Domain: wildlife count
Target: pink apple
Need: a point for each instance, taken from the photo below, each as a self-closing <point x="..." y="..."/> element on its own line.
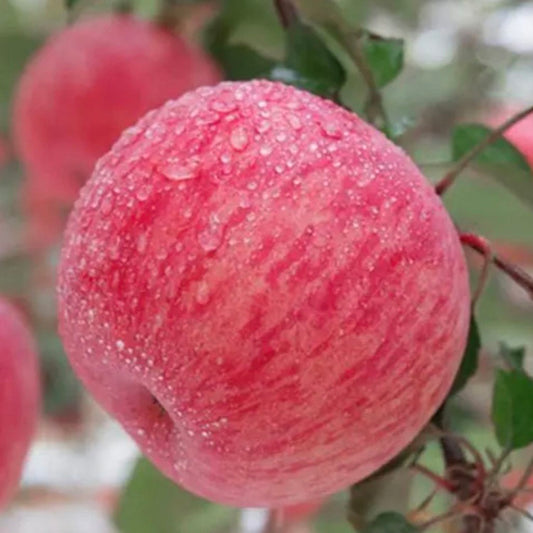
<point x="82" y="89"/>
<point x="19" y="397"/>
<point x="264" y="291"/>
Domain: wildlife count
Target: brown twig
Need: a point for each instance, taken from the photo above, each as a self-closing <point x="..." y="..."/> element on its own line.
<point x="449" y="178"/>
<point x="286" y="12"/>
<point x="482" y="246"/>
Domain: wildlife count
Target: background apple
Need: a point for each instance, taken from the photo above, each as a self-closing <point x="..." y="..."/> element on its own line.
<point x="19" y="397"/>
<point x="80" y="91"/>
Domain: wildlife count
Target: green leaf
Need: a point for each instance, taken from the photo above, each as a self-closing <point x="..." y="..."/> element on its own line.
<point x="384" y="56"/>
<point x="390" y="523"/>
<point x="469" y="362"/>
<point x="500" y="160"/>
<point x="151" y="502"/>
<point x="312" y="65"/>
<point x="501" y="152"/>
<point x="514" y="357"/>
<point x="69" y="4"/>
<point x="512" y="409"/>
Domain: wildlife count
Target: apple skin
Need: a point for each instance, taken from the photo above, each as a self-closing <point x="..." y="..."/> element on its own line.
<point x="81" y="90"/>
<point x="264" y="291"/>
<point x="19" y="397"/>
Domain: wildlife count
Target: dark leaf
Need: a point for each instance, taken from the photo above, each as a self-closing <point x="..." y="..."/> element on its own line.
<point x="390" y="523"/>
<point x="469" y="362"/>
<point x="151" y="502"/>
<point x="514" y="357"/>
<point x="384" y="56"/>
<point x="312" y="65"/>
<point x="69" y="4"/>
<point x="512" y="409"/>
<point x="240" y="62"/>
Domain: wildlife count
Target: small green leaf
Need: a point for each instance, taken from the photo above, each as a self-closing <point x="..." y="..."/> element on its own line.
<point x="514" y="357"/>
<point x="384" y="56"/>
<point x="512" y="409"/>
<point x="390" y="523"/>
<point x="469" y="362"/>
<point x="501" y="152"/>
<point x="314" y="67"/>
<point x="69" y="4"/>
<point x="151" y="502"/>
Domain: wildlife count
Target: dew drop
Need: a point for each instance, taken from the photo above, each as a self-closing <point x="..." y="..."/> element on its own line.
<point x="223" y="105"/>
<point x="263" y="126"/>
<point x="142" y="193"/>
<point x="185" y="170"/>
<point x="265" y="150"/>
<point x="202" y="293"/>
<point x="210" y="238"/>
<point x="142" y="243"/>
<point x="225" y="158"/>
<point x="295" y="122"/>
<point x="107" y="204"/>
<point x="120" y="345"/>
<point x="331" y="130"/>
<point x="239" y="139"/>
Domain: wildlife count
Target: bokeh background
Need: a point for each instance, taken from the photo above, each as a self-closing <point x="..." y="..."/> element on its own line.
<point x="465" y="60"/>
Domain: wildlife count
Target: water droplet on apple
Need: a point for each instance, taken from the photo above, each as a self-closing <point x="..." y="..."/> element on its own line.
<point x="239" y="139"/>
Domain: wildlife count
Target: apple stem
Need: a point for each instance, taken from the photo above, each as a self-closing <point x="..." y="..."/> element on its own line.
<point x="482" y="246"/>
<point x="449" y="178"/>
<point x="286" y="12"/>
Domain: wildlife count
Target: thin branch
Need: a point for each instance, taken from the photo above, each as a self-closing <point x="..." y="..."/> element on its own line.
<point x="483" y="276"/>
<point x="450" y="515"/>
<point x="286" y="12"/>
<point x="374" y="108"/>
<point x="481" y="245"/>
<point x="450" y="177"/>
<point x="528" y="472"/>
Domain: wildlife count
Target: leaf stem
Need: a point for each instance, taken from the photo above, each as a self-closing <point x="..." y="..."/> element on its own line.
<point x="449" y="178"/>
<point x="482" y="246"/>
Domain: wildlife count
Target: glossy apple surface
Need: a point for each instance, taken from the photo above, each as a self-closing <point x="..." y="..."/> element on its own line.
<point x="264" y="291"/>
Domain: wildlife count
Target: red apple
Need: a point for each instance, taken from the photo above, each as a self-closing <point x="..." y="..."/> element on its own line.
<point x="264" y="291"/>
<point x="19" y="397"/>
<point x="82" y="89"/>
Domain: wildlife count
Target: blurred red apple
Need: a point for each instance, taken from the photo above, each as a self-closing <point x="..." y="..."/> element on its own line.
<point x="265" y="292"/>
<point x="81" y="90"/>
<point x="19" y="397"/>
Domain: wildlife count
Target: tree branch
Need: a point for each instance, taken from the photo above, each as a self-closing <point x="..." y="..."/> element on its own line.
<point x="450" y="177"/>
<point x="286" y="12"/>
<point x="481" y="246"/>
